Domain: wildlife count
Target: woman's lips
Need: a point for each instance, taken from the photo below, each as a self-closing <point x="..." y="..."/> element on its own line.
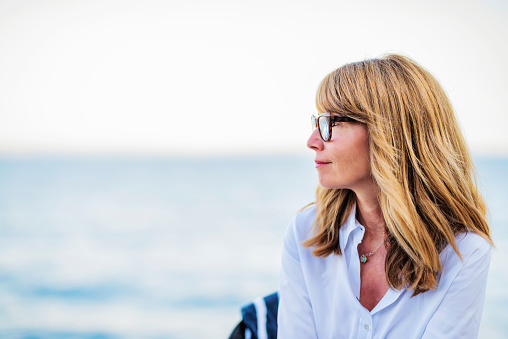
<point x="321" y="163"/>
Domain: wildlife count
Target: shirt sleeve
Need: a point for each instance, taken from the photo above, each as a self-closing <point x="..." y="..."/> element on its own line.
<point x="460" y="312"/>
<point x="295" y="316"/>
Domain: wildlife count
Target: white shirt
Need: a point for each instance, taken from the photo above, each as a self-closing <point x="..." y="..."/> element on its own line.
<point x="319" y="297"/>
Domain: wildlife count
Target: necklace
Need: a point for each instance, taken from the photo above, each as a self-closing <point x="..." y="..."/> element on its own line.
<point x="363" y="257"/>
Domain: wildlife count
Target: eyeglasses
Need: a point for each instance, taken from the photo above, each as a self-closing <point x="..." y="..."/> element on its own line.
<point x="325" y="122"/>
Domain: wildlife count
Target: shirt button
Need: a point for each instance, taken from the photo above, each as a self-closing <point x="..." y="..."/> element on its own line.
<point x="366" y="326"/>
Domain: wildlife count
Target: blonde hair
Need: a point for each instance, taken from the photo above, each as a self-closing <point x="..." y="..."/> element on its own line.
<point x="420" y="165"/>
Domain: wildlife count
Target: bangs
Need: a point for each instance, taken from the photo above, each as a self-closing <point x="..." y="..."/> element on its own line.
<point x="339" y="92"/>
<point x="328" y="99"/>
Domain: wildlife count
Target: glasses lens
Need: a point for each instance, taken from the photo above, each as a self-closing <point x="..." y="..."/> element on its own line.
<point x="324" y="127"/>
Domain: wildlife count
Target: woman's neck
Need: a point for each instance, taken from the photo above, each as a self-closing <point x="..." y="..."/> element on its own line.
<point x="369" y="214"/>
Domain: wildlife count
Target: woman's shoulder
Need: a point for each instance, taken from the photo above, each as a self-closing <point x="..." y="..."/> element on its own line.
<point x="470" y="245"/>
<point x="302" y="222"/>
<point x="305" y="218"/>
<point x="472" y="264"/>
<point x="471" y="242"/>
<point x="306" y="214"/>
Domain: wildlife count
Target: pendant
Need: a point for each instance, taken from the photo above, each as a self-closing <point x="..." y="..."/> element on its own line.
<point x="363" y="258"/>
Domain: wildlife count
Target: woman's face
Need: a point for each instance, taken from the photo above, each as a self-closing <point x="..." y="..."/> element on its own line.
<point x="343" y="162"/>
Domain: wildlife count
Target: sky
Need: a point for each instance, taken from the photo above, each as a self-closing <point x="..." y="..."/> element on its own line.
<point x="228" y="76"/>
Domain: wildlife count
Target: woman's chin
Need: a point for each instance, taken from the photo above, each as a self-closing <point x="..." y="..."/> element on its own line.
<point x="333" y="183"/>
<point x="329" y="185"/>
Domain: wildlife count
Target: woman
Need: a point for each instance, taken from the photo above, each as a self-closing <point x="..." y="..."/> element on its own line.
<point x="397" y="244"/>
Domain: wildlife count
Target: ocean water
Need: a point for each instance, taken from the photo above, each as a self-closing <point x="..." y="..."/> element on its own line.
<point x="166" y="247"/>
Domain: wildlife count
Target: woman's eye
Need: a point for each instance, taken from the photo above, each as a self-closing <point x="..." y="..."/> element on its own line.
<point x="336" y="123"/>
<point x="339" y="120"/>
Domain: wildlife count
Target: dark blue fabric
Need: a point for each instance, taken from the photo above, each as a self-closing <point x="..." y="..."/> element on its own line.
<point x="272" y="306"/>
<point x="250" y="319"/>
<point x="249" y="315"/>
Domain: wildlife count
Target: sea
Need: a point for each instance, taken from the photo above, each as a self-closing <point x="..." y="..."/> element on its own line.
<point x="167" y="247"/>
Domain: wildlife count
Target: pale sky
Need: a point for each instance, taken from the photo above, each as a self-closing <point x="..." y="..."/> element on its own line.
<point x="229" y="76"/>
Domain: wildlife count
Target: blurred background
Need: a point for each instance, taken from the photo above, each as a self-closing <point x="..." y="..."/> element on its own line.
<point x="152" y="152"/>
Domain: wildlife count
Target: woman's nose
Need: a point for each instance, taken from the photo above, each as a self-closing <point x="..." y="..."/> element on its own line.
<point x="315" y="142"/>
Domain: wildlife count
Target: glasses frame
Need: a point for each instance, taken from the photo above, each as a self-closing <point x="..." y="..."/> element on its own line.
<point x="331" y="119"/>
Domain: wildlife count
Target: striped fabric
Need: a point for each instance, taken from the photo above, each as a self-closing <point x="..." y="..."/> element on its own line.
<point x="259" y="319"/>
